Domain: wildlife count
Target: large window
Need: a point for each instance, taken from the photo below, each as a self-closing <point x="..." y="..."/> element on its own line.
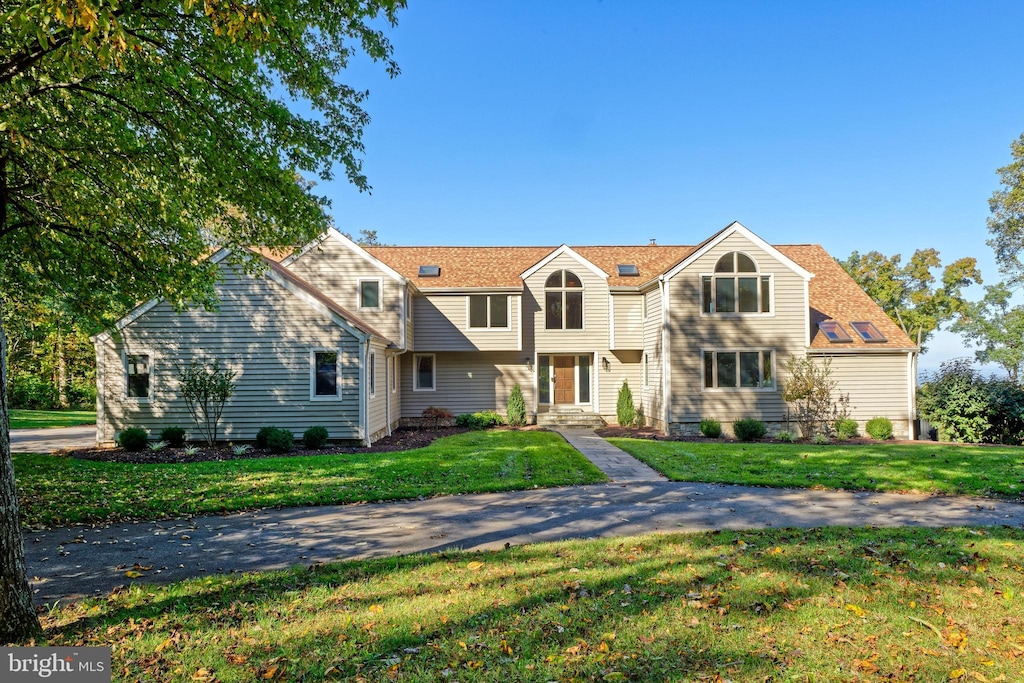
<point x="137" y="371"/>
<point x="563" y="301"/>
<point x="488" y="310"/>
<point x="736" y="287"/>
<point x="739" y="370"/>
<point x="369" y="294"/>
<point x="424" y="373"/>
<point x="324" y="373"/>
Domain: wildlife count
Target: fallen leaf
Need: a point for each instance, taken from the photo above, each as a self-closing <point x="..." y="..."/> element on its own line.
<point x="957" y="673"/>
<point x="473" y="566"/>
<point x="132" y="574"/>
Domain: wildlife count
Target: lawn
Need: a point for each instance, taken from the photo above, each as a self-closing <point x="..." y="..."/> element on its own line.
<point x="925" y="467"/>
<point x="772" y="605"/>
<point x="35" y="419"/>
<point x="56" y="491"/>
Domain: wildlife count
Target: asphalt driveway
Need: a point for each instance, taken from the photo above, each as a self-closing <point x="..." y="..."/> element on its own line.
<point x="52" y="439"/>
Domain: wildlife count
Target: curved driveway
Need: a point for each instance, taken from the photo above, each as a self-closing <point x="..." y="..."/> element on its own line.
<point x="52" y="439"/>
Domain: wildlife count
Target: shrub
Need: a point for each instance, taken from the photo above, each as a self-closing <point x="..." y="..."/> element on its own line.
<point x="624" y="409"/>
<point x="785" y="436"/>
<point x="174" y="436"/>
<point x="315" y="437"/>
<point x="516" y="407"/>
<point x="205" y="391"/>
<point x="641" y="419"/>
<point x="280" y="441"/>
<point x="749" y="429"/>
<point x="846" y="428"/>
<point x="879" y="428"/>
<point x="434" y="417"/>
<point x="29" y="391"/>
<point x="809" y="387"/>
<point x="133" y="439"/>
<point x="712" y="429"/>
<point x="262" y="434"/>
<point x="967" y="407"/>
<point x="479" y="420"/>
<point x="822" y="440"/>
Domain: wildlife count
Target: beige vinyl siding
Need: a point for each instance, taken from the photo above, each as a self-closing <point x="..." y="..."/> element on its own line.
<point x="442" y="324"/>
<point x="622" y="366"/>
<point x="395" y="397"/>
<point x="262" y="332"/>
<point x="377" y="404"/>
<point x="594" y="334"/>
<point x="784" y="330"/>
<point x="653" y="396"/>
<point x="410" y="318"/>
<point x="468" y="382"/>
<point x="336" y="270"/>
<point x="877" y="384"/>
<point x="628" y="321"/>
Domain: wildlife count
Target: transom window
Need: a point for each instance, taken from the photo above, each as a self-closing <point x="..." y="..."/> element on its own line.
<point x="738" y="370"/>
<point x="563" y="301"/>
<point x="736" y="287"/>
<point x="137" y="369"/>
<point x="488" y="310"/>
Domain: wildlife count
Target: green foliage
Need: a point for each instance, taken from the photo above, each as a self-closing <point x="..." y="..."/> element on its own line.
<point x="479" y="420"/>
<point x="846" y="428"/>
<point x="749" y="429"/>
<point x="640" y="420"/>
<point x="516" y="407"/>
<point x="909" y="294"/>
<point x="315" y="437"/>
<point x="965" y="406"/>
<point x="624" y="409"/>
<point x="817" y="405"/>
<point x="786" y="436"/>
<point x="712" y="429"/>
<point x="997" y="328"/>
<point x="821" y="440"/>
<point x="1006" y="224"/>
<point x="280" y="441"/>
<point x="174" y="436"/>
<point x="205" y="392"/>
<point x="262" y="434"/>
<point x="879" y="428"/>
<point x="133" y="439"/>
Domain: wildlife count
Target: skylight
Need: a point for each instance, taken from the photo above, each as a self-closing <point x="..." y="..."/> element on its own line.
<point x="430" y="271"/>
<point x="834" y="332"/>
<point x="867" y="331"/>
<point x="627" y="270"/>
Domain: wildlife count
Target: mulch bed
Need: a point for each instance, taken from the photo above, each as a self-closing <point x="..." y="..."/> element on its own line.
<point x="400" y="440"/>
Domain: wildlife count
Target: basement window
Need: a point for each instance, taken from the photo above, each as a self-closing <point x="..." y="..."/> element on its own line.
<point x="868" y="332"/>
<point x="834" y="332"/>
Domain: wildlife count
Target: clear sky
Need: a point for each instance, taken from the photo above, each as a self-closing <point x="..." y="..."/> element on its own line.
<point x="855" y="125"/>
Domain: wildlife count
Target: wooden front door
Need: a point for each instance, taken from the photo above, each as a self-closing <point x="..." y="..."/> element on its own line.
<point x="565" y="379"/>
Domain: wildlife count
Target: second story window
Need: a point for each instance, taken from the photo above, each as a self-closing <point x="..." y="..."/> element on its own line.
<point x="488" y="310"/>
<point x="736" y="287"/>
<point x="369" y="294"/>
<point x="563" y="301"/>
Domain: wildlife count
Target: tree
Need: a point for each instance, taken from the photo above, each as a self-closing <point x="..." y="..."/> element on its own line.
<point x="206" y="391"/>
<point x="998" y="328"/>
<point x="625" y="411"/>
<point x="909" y="294"/>
<point x="809" y="387"/>
<point x="136" y="136"/>
<point x="516" y="412"/>
<point x="1006" y="224"/>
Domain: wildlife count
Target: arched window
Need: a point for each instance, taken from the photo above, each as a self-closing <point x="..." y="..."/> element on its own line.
<point x="736" y="287"/>
<point x="563" y="301"/>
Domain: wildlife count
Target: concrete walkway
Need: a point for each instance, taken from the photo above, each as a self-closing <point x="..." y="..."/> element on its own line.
<point x="619" y="465"/>
<point x="52" y="439"/>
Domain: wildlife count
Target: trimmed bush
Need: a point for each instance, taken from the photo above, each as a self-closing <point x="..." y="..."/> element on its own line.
<point x="879" y="428"/>
<point x="749" y="429"/>
<point x="712" y="429"/>
<point x="516" y="407"/>
<point x="174" y="436"/>
<point x="262" y="434"/>
<point x="315" y="437"/>
<point x="280" y="441"/>
<point x="641" y="419"/>
<point x="625" y="411"/>
<point x="846" y="428"/>
<point x="133" y="439"/>
<point x="479" y="420"/>
<point x="435" y="417"/>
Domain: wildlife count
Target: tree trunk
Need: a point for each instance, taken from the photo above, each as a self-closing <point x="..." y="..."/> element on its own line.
<point x="18" y="621"/>
<point x="62" y="371"/>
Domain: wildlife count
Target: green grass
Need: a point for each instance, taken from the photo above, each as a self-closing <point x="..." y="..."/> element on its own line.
<point x="927" y="468"/>
<point x="59" y="491"/>
<point x="804" y="605"/>
<point x="35" y="419"/>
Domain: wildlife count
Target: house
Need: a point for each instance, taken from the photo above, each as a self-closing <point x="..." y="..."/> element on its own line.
<point x="361" y="339"/>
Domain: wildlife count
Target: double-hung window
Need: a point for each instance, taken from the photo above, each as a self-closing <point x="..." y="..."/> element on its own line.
<point x="137" y="372"/>
<point x="739" y="369"/>
<point x="736" y="287"/>
<point x="488" y="311"/>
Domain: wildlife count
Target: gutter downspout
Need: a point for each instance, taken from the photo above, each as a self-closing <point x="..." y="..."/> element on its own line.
<point x="364" y="393"/>
<point x="666" y="356"/>
<point x="912" y="393"/>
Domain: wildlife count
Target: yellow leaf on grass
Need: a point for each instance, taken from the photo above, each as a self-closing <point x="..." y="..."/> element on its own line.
<point x="164" y="645"/>
<point x="957" y="673"/>
<point x="202" y="675"/>
<point x="473" y="566"/>
<point x="270" y="673"/>
<point x="859" y="611"/>
<point x="603" y="647"/>
<point x="376" y="608"/>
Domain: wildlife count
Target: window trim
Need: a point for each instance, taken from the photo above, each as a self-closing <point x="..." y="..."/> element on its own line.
<point x="124" y="368"/>
<point x="563" y="290"/>
<point x="380" y="294"/>
<point x="371" y="374"/>
<point x="313" y="396"/>
<point x="416" y="371"/>
<point x="489" y="327"/>
<point x="716" y="350"/>
<point x="735" y="276"/>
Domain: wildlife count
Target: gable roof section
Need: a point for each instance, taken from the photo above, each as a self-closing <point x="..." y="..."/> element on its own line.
<point x="335" y="234"/>
<point x="836" y="296"/>
<point x="732" y="229"/>
<point x="568" y="251"/>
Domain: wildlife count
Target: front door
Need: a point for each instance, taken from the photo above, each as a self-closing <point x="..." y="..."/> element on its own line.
<point x="565" y="379"/>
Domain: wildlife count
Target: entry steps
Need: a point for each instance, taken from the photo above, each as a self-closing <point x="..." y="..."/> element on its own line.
<point x="569" y="418"/>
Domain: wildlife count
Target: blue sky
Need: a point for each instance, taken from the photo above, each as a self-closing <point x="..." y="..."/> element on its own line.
<point x="858" y="126"/>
